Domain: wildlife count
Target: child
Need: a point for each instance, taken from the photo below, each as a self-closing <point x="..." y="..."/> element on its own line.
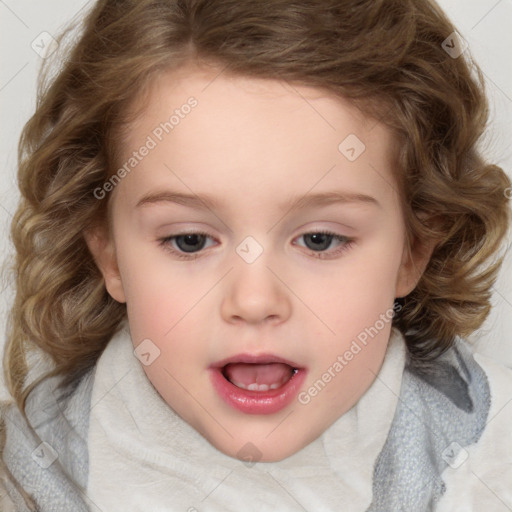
<point x="251" y="240"/>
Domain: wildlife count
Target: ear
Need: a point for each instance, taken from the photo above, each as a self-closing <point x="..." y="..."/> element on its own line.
<point x="102" y="248"/>
<point x="414" y="262"/>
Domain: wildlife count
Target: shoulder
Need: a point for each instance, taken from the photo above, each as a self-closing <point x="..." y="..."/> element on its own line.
<point x="500" y="383"/>
<point x="482" y="473"/>
<point x="47" y="451"/>
<point x="446" y="411"/>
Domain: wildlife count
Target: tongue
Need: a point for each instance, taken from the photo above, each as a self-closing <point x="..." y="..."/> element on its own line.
<point x="245" y="373"/>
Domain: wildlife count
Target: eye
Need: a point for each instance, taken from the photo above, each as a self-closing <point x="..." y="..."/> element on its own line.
<point x="186" y="243"/>
<point x="323" y="244"/>
<point x="320" y="241"/>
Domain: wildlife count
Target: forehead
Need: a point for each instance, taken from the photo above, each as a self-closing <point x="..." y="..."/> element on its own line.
<point x="244" y="133"/>
<point x="215" y="89"/>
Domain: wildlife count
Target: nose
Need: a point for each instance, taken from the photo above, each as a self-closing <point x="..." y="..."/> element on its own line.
<point x="255" y="295"/>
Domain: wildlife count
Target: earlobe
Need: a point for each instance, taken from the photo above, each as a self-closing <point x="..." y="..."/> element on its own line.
<point x="102" y="249"/>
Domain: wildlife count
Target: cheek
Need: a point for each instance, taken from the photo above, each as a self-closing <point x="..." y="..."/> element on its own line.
<point x="361" y="288"/>
<point x="357" y="306"/>
<point x="166" y="305"/>
<point x="356" y="303"/>
<point x="158" y="293"/>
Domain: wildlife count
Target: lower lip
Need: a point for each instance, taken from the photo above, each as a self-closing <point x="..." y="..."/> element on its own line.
<point x="257" y="402"/>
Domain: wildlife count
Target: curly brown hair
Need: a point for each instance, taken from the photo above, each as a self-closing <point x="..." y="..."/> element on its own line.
<point x="386" y="56"/>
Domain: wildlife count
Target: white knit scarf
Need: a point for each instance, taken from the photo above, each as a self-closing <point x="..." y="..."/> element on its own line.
<point x="144" y="457"/>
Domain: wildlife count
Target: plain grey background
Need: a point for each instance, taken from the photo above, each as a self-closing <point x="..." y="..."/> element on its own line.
<point x="24" y="29"/>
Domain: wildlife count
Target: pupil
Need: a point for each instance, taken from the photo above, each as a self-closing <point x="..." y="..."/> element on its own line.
<point x="318" y="241"/>
<point x="190" y="243"/>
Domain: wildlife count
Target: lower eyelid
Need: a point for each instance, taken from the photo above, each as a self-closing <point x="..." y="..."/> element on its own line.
<point x="346" y="243"/>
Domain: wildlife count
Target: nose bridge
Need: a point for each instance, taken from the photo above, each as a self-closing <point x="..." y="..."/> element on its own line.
<point x="254" y="294"/>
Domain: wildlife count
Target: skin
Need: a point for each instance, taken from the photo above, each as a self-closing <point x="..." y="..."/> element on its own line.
<point x="254" y="145"/>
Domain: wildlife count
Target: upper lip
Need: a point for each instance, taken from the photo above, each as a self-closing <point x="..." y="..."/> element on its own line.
<point x="254" y="359"/>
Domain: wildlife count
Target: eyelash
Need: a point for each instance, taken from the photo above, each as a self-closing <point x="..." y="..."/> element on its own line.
<point x="166" y="244"/>
<point x="347" y="244"/>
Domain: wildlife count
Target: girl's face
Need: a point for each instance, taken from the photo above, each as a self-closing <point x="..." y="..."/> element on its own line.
<point x="258" y="242"/>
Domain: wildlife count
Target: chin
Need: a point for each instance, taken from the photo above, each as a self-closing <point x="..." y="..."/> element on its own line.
<point x="257" y="451"/>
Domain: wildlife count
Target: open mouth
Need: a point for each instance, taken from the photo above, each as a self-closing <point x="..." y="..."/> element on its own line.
<point x="258" y="376"/>
<point x="262" y="384"/>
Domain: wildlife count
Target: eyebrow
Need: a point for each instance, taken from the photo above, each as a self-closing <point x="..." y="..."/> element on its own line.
<point x="209" y="203"/>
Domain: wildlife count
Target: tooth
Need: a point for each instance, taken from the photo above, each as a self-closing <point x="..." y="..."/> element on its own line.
<point x="258" y="387"/>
